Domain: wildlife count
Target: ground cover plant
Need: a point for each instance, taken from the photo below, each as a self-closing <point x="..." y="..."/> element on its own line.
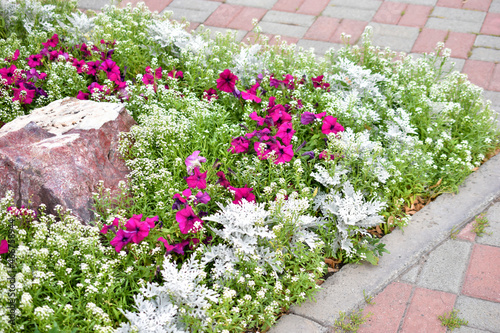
<point x="250" y="164"/>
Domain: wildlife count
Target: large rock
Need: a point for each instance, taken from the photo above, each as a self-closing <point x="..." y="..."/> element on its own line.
<point x="59" y="153"/>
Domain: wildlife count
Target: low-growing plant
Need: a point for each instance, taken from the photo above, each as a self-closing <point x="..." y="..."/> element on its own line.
<point x="350" y="323"/>
<point x="451" y="320"/>
<point x="480" y="223"/>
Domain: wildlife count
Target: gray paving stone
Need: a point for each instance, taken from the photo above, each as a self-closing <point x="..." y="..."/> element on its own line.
<point x="398" y="38"/>
<point x="493" y="96"/>
<point x="454" y="64"/>
<point x="487" y="41"/>
<point x="350" y="13"/>
<point x="493" y="216"/>
<point x="366" y="4"/>
<point x="292" y="323"/>
<point x="446" y="266"/>
<point x="495" y="6"/>
<point x="458" y="20"/>
<point x="319" y="47"/>
<point x="480" y="314"/>
<point x="417" y="2"/>
<point x="466" y="329"/>
<point x="275" y="16"/>
<point x="195" y="5"/>
<point x="283" y="29"/>
<point x="93" y="4"/>
<point x="191" y="15"/>
<point x="411" y="275"/>
<point x="484" y="54"/>
<point x="239" y="34"/>
<point x="268" y="4"/>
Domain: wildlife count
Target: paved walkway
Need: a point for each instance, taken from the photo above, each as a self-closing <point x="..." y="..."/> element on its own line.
<point x="427" y="272"/>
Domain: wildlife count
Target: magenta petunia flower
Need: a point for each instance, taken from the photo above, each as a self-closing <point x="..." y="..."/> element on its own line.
<point x="23" y="95"/>
<point x="188" y="220"/>
<point x="78" y="64"/>
<point x="197" y="179"/>
<point x="4" y="246"/>
<point x="279" y="115"/>
<point x="148" y="79"/>
<point x="330" y="125"/>
<point x="13" y="57"/>
<point x="8" y="74"/>
<point x="239" y="145"/>
<point x="121" y="239"/>
<point x="263" y="149"/>
<point x="35" y="60"/>
<point x="222" y="179"/>
<point x="210" y="93"/>
<point x="317" y="81"/>
<point x="226" y="81"/>
<point x="242" y="193"/>
<point x="175" y="74"/>
<point x="177" y="248"/>
<point x="82" y="96"/>
<point x="112" y="226"/>
<point x="111" y="68"/>
<point x="193" y="161"/>
<point x="285" y="133"/>
<point x="52" y="41"/>
<point x="262" y="135"/>
<point x="284" y="153"/>
<point x="255" y="117"/>
<point x="308" y="117"/>
<point x="251" y="94"/>
<point x="139" y="228"/>
<point x="93" y="67"/>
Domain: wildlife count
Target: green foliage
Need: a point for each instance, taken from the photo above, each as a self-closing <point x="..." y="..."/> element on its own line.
<point x="480" y="223"/>
<point x="451" y="320"/>
<point x="350" y="323"/>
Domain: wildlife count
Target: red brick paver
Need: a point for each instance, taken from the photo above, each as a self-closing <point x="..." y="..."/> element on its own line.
<point x="243" y="20"/>
<point x="466" y="233"/>
<point x="479" y="72"/>
<point x="482" y="5"/>
<point x="223" y="15"/>
<point x="460" y="44"/>
<point x="313" y="7"/>
<point x="153" y="5"/>
<point x="288" y="5"/>
<point x="415" y="16"/>
<point x="426" y="305"/>
<point x="491" y="24"/>
<point x="388" y="309"/>
<point x="323" y="28"/>
<point x="427" y="40"/>
<point x="495" y="80"/>
<point x="389" y="12"/>
<point x="350" y="27"/>
<point x="482" y="279"/>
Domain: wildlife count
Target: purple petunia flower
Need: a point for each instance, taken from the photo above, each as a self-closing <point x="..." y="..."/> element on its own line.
<point x="111" y="68"/>
<point x="308" y="117"/>
<point x="121" y="239"/>
<point x="202" y="197"/>
<point x="239" y="145"/>
<point x="188" y="220"/>
<point x="177" y="248"/>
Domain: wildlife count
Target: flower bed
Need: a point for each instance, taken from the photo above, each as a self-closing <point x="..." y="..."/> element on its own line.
<point x="250" y="165"/>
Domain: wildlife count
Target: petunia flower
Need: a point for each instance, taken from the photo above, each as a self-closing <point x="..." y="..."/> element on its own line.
<point x="112" y="226"/>
<point x="139" y="228"/>
<point x="285" y="133"/>
<point x="257" y="118"/>
<point x="210" y="93"/>
<point x="188" y="220"/>
<point x="308" y="117"/>
<point x="242" y="193"/>
<point x="52" y="41"/>
<point x="284" y="153"/>
<point x="226" y="81"/>
<point x="262" y="135"/>
<point x="78" y="64"/>
<point x="82" y="96"/>
<point x="8" y="74"/>
<point x="263" y="149"/>
<point x="222" y="179"/>
<point x="23" y="94"/>
<point x="13" y="57"/>
<point x="325" y="155"/>
<point x="93" y="67"/>
<point x="111" y="68"/>
<point x="239" y="145"/>
<point x="121" y="239"/>
<point x="330" y="125"/>
<point x="251" y="94"/>
<point x="175" y="74"/>
<point x="4" y="246"/>
<point x="35" y="60"/>
<point x="202" y="197"/>
<point x="197" y="179"/>
<point x="193" y="161"/>
<point x="177" y="248"/>
<point x="279" y="115"/>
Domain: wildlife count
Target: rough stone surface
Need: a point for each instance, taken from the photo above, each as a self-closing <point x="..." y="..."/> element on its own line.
<point x="59" y="153"/>
<point x="480" y="314"/>
<point x="295" y="323"/>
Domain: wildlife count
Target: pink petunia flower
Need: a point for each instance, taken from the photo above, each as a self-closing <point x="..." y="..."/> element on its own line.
<point x="23" y="95"/>
<point x="4" y="246"/>
<point x="210" y="93"/>
<point x="175" y="74"/>
<point x="254" y="116"/>
<point x="197" y="179"/>
<point x="188" y="220"/>
<point x="78" y="64"/>
<point x="82" y="96"/>
<point x="330" y="125"/>
<point x="121" y="239"/>
<point x="13" y="57"/>
<point x="251" y="94"/>
<point x="263" y="134"/>
<point x="8" y="74"/>
<point x="239" y="145"/>
<point x="115" y="223"/>
<point x="139" y="228"/>
<point x="222" y="179"/>
<point x="93" y="67"/>
<point x="35" y="60"/>
<point x="263" y="149"/>
<point x="242" y="193"/>
<point x="193" y="161"/>
<point x="227" y="81"/>
<point x="285" y="133"/>
<point x="308" y="117"/>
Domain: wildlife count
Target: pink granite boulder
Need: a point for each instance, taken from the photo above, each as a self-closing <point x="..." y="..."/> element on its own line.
<point x="59" y="153"/>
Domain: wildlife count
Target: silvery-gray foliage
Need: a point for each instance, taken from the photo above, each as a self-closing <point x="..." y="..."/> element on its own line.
<point x="30" y="13"/>
<point x="248" y="64"/>
<point x="171" y="33"/>
<point x="79" y="25"/>
<point x="182" y="294"/>
<point x="351" y="213"/>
